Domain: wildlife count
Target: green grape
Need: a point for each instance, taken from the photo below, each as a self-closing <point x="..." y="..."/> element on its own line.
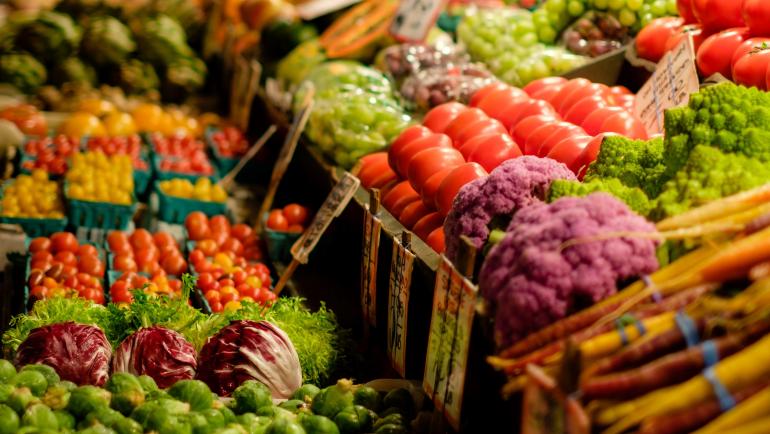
<point x="540" y="18"/>
<point x="524" y="28"/>
<point x="601" y="4"/>
<point x="576" y="8"/>
<point x="547" y="35"/>
<point x="555" y="5"/>
<point x="539" y="69"/>
<point x="671" y="8"/>
<point x="646" y="17"/>
<point x="627" y="17"/>
<point x="528" y="40"/>
<point x="616" y="5"/>
<point x="658" y="8"/>
<point x="634" y="5"/>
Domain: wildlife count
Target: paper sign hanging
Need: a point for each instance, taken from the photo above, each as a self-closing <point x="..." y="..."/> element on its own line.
<point x="401" y="264"/>
<point x="674" y="79"/>
<point x="434" y="355"/>
<point x="370" y="252"/>
<point x="459" y="354"/>
<point x="414" y="19"/>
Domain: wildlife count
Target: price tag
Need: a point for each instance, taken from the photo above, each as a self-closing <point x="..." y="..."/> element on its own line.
<point x="313" y="9"/>
<point x="459" y="354"/>
<point x="674" y="79"/>
<point x="402" y="261"/>
<point x="370" y="253"/>
<point x="548" y="410"/>
<point x="434" y="354"/>
<point x="415" y="18"/>
<point x="335" y="202"/>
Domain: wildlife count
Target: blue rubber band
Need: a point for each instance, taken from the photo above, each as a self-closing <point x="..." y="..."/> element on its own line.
<point x="640" y="327"/>
<point x="621" y="331"/>
<point x="627" y="320"/>
<point x="710" y="353"/>
<point x="657" y="297"/>
<point x="726" y="400"/>
<point x="688" y="328"/>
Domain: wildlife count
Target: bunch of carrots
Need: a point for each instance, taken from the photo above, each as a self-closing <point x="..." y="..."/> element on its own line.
<point x="639" y="369"/>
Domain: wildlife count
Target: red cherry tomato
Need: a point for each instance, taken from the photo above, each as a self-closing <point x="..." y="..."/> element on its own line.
<point x="430" y="161"/>
<point x="197" y="225"/>
<point x="651" y="40"/>
<point x="439" y="117"/>
<point x="408" y="152"/>
<point x="220" y="223"/>
<point x="87" y="250"/>
<point x="494" y="151"/>
<point x="39" y="244"/>
<point x="526" y="126"/>
<point x="141" y="239"/>
<point x="277" y="221"/>
<point x="124" y="263"/>
<point x="241" y="231"/>
<point x="232" y="244"/>
<point x="91" y="265"/>
<point x="454" y="181"/>
<point x="206" y="282"/>
<point x="163" y="239"/>
<point x="296" y="214"/>
<point x="64" y="242"/>
<point x="174" y="265"/>
<point x="543" y="83"/>
<point x="569" y="150"/>
<point x="209" y="247"/>
<point x="66" y="258"/>
<point x="716" y="15"/>
<point x="716" y="52"/>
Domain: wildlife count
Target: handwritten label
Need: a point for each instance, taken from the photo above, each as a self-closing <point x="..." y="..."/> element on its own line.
<point x="335" y="202"/>
<point x="401" y="264"/>
<point x="434" y="355"/>
<point x="313" y="9"/>
<point x="370" y="253"/>
<point x="674" y="79"/>
<point x="548" y="410"/>
<point x="459" y="355"/>
<point x="414" y="19"/>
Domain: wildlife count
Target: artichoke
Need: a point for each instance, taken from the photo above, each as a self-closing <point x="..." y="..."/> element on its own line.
<point x="184" y="76"/>
<point x="107" y="41"/>
<point x="137" y="77"/>
<point x="52" y="36"/>
<point x="162" y="41"/>
<point x="73" y="70"/>
<point x="22" y="71"/>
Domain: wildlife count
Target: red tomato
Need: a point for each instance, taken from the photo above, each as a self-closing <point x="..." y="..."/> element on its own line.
<point x="685" y="11"/>
<point x="568" y="88"/>
<point x="716" y="52"/>
<point x="429" y="161"/>
<point x="124" y="263"/>
<point x="543" y="83"/>
<point x="589" y="154"/>
<point x="206" y="282"/>
<point x="412" y="213"/>
<point x="751" y="69"/>
<point x="239" y="276"/>
<point x="212" y="296"/>
<point x="580" y="110"/>
<point x="174" y="265"/>
<point x="383" y="179"/>
<point x="66" y="258"/>
<point x="430" y="188"/>
<point x="64" y="242"/>
<point x="454" y="181"/>
<point x="463" y="121"/>
<point x="756" y="14"/>
<point x="163" y="239"/>
<point x="276" y="221"/>
<point x="232" y="244"/>
<point x="526" y="108"/>
<point x="219" y="223"/>
<point x="480" y="94"/>
<point x="296" y="214"/>
<point x="39" y="244"/>
<point x="569" y="150"/>
<point x="428" y="224"/>
<point x="141" y="239"/>
<point x="698" y="36"/>
<point x="209" y="247"/>
<point x="746" y="47"/>
<point x="485" y="126"/>
<point x="595" y="89"/>
<point x="496" y="104"/>
<point x="406" y="137"/>
<point x="91" y="265"/>
<point x="197" y="225"/>
<point x="494" y="151"/>
<point x="593" y="123"/>
<point x="439" y="117"/>
<point x="651" y="40"/>
<point x="408" y="152"/>
<point x="401" y="203"/>
<point x="625" y="124"/>
<point x="436" y="240"/>
<point x="87" y="250"/>
<point x="716" y="15"/>
<point x="557" y="136"/>
<point x="373" y="168"/>
<point x="548" y="93"/>
<point x="401" y="190"/>
<point x="241" y="231"/>
<point x="526" y="126"/>
<point x="27" y="118"/>
<point x="120" y="293"/>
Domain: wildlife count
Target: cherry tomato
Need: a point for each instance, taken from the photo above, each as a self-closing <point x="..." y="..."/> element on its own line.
<point x="206" y="282"/>
<point x="651" y="40"/>
<point x="124" y="263"/>
<point x="430" y="161"/>
<point x="220" y="223"/>
<point x="228" y="294"/>
<point x="66" y="258"/>
<point x="296" y="214"/>
<point x="716" y="15"/>
<point x="494" y="151"/>
<point x="212" y="296"/>
<point x="454" y="181"/>
<point x="216" y="307"/>
<point x="295" y="229"/>
<point x="39" y="292"/>
<point x="120" y="292"/>
<point x="756" y="14"/>
<point x="197" y="257"/>
<point x="439" y="117"/>
<point x="163" y="239"/>
<point x="141" y="239"/>
<point x="716" y="52"/>
<point x="207" y="247"/>
<point x="64" y="242"/>
<point x="91" y="265"/>
<point x="277" y="221"/>
<point x="197" y="225"/>
<point x="87" y="250"/>
<point x="174" y="265"/>
<point x="232" y="245"/>
<point x="39" y="244"/>
<point x="404" y="157"/>
<point x="751" y="69"/>
<point x="241" y="231"/>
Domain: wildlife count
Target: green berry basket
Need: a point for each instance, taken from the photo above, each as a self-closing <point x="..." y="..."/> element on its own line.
<point x="165" y="175"/>
<point x="172" y="209"/>
<point x="33" y="227"/>
<point x="279" y="243"/>
<point x="101" y="215"/>
<point x="223" y="164"/>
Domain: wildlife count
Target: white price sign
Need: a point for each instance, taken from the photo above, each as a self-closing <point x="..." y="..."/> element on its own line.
<point x="414" y="19"/>
<point x="369" y="255"/>
<point x="401" y="265"/>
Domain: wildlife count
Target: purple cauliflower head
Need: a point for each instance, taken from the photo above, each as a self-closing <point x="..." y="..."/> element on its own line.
<point x="535" y="278"/>
<point x="512" y="186"/>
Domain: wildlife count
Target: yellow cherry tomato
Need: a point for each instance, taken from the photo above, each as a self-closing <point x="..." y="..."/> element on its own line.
<point x="120" y="124"/>
<point x="96" y="106"/>
<point x="232" y="306"/>
<point x="81" y="124"/>
<point x="147" y="117"/>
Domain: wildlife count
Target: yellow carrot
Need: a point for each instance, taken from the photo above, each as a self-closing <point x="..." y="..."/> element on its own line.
<point x="612" y="341"/>
<point x="735" y="373"/>
<point x="718" y="209"/>
<point x="759" y="426"/>
<point x="749" y="410"/>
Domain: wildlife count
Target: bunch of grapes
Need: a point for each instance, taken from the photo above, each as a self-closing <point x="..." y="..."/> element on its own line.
<point x="555" y="15"/>
<point x="506" y="40"/>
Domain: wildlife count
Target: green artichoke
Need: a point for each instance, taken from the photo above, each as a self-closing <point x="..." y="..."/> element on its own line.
<point x="188" y="73"/>
<point x="162" y="41"/>
<point x="51" y="37"/>
<point x="73" y="70"/>
<point x="137" y="77"/>
<point x="107" y="41"/>
<point x="22" y="71"/>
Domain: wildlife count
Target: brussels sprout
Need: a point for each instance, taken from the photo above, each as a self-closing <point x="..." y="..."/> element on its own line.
<point x="127" y="426"/>
<point x="333" y="399"/>
<point x="315" y="424"/>
<point x="127" y="392"/>
<point x="66" y="420"/>
<point x="5" y="392"/>
<point x="367" y="397"/>
<point x="391" y="419"/>
<point x="20" y="399"/>
<point x="48" y="372"/>
<point x="86" y="399"/>
<point x="7" y="371"/>
<point x="40" y="416"/>
<point x="402" y="399"/>
<point x="103" y="415"/>
<point x="96" y="429"/>
<point x="254" y="424"/>
<point x="9" y="420"/>
<point x="284" y="426"/>
<point x="275" y="412"/>
<point x="214" y="417"/>
<point x="228" y="415"/>
<point x="353" y="419"/>
<point x="198" y="423"/>
<point x="194" y="392"/>
<point x="57" y="396"/>
<point x="293" y="405"/>
<point x="155" y="395"/>
<point x="147" y="382"/>
<point x="306" y="393"/>
<point x="33" y="380"/>
<point x="250" y="397"/>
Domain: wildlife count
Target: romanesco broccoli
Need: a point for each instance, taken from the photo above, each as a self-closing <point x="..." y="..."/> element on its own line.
<point x="632" y="196"/>
<point x="635" y="163"/>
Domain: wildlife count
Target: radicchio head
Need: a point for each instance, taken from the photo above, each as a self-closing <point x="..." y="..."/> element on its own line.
<point x="158" y="352"/>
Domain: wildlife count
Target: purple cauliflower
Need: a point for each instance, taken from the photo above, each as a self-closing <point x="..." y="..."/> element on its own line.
<point x="515" y="184"/>
<point x="535" y="279"/>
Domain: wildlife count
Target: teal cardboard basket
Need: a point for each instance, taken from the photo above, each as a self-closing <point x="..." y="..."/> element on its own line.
<point x="141" y="177"/>
<point x="224" y="164"/>
<point x="165" y="175"/>
<point x="33" y="227"/>
<point x="101" y="215"/>
<point x="279" y="243"/>
<point x="172" y="209"/>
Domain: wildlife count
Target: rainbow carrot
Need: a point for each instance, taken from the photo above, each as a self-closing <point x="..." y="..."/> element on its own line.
<point x="753" y="408"/>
